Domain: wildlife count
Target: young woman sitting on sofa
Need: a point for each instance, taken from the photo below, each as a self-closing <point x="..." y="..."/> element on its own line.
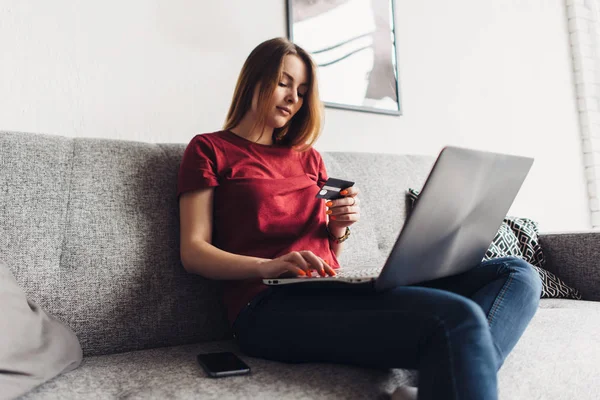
<point x="248" y="211"/>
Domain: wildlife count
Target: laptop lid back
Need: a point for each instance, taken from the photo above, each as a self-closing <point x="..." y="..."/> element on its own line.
<point x="456" y="216"/>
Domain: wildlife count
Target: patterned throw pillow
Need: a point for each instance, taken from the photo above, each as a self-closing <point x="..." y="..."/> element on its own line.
<point x="505" y="243"/>
<point x="519" y="237"/>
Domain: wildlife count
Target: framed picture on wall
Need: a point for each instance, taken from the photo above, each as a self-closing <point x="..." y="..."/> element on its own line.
<point x="353" y="44"/>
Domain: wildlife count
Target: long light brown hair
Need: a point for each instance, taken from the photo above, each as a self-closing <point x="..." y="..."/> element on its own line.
<point x="263" y="69"/>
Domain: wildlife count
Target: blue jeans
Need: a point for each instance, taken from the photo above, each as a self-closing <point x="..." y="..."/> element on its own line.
<point x="455" y="331"/>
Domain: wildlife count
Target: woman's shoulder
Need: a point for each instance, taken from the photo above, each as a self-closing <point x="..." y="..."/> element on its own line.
<point x="206" y="145"/>
<point x="211" y="142"/>
<point x="208" y="137"/>
<point x="313" y="155"/>
<point x="311" y="160"/>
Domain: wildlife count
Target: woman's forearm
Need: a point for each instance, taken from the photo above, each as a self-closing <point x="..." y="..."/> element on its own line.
<point x="204" y="259"/>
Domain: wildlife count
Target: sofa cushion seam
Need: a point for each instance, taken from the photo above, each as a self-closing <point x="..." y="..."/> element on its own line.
<point x="66" y="216"/>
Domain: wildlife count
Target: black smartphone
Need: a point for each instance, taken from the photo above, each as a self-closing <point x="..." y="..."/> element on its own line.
<point x="221" y="364"/>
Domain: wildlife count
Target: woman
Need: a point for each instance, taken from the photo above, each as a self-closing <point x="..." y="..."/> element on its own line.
<point x="248" y="211"/>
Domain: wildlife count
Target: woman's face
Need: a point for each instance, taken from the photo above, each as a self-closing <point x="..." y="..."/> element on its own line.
<point x="289" y="93"/>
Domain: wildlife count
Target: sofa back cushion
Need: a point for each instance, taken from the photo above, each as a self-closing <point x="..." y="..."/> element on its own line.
<point x="90" y="229"/>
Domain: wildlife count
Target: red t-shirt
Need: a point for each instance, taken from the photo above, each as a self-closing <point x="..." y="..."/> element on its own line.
<point x="264" y="202"/>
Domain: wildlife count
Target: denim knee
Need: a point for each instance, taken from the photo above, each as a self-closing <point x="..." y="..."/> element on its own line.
<point x="527" y="275"/>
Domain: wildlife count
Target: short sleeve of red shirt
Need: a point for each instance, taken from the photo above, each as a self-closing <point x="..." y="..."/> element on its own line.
<point x="198" y="166"/>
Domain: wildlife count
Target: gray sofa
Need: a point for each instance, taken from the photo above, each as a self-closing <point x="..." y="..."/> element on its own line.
<point x="89" y="227"/>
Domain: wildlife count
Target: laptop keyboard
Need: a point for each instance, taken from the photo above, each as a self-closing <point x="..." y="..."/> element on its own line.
<point x="357" y="273"/>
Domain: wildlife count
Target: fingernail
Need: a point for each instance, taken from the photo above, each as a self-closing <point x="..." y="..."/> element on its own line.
<point x="344" y="192"/>
<point x="329" y="203"/>
<point x="328" y="212"/>
<point x="301" y="273"/>
<point x="322" y="273"/>
<point x="332" y="217"/>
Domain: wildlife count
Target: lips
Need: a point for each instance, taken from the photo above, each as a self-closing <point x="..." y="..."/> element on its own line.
<point x="285" y="110"/>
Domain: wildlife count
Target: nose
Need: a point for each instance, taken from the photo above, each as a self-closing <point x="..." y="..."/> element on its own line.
<point x="292" y="97"/>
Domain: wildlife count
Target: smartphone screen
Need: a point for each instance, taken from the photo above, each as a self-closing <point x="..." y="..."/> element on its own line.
<point x="222" y="364"/>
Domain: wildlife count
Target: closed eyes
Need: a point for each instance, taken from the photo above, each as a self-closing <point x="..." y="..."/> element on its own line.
<point x="284" y="85"/>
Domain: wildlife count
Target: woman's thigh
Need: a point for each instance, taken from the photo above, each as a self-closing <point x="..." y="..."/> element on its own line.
<point x="396" y="328"/>
<point x="469" y="283"/>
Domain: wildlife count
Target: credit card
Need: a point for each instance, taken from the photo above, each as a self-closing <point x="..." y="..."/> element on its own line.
<point x="331" y="189"/>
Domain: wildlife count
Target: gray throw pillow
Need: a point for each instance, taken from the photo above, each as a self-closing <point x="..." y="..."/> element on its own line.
<point x="34" y="347"/>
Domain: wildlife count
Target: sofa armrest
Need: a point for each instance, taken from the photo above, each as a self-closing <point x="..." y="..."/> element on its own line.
<point x="574" y="258"/>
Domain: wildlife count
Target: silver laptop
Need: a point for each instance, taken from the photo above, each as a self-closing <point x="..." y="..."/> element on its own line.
<point x="461" y="206"/>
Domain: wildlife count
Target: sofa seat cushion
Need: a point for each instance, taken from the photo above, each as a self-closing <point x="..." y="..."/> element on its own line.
<point x="558" y="356"/>
<point x="556" y="359"/>
<point x="173" y="373"/>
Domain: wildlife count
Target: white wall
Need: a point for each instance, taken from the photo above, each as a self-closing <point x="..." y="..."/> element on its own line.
<point x="584" y="33"/>
<point x="487" y="74"/>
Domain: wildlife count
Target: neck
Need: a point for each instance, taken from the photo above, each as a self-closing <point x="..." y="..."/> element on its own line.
<point x="244" y="129"/>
